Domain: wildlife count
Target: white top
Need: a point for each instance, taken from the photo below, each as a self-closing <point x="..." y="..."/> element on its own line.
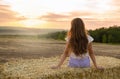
<point x="90" y="39"/>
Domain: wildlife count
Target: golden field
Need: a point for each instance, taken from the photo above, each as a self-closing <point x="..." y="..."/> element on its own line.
<point x="31" y="58"/>
<point x="40" y="69"/>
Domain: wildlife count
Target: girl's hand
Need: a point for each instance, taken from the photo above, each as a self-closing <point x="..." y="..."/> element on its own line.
<point x="99" y="68"/>
<point x="55" y="67"/>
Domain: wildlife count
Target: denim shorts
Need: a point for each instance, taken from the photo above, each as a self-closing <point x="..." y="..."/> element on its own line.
<point x="82" y="62"/>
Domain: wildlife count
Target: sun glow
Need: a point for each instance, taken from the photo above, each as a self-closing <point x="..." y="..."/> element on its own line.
<point x="44" y="13"/>
<point x="32" y="23"/>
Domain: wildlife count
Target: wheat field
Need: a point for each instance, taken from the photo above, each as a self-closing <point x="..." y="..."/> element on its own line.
<point x="40" y="69"/>
<point x="32" y="58"/>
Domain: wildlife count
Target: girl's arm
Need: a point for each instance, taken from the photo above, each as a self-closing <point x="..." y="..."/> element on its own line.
<point x="63" y="57"/>
<point x="92" y="56"/>
<point x="91" y="53"/>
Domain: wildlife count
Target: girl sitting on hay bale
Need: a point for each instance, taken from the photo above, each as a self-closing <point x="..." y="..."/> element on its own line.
<point x="78" y="47"/>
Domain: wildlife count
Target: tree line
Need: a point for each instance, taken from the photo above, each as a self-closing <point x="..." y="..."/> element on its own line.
<point x="101" y="35"/>
<point x="106" y="35"/>
<point x="56" y="35"/>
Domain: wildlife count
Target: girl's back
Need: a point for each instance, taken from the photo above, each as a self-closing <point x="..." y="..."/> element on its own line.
<point x="79" y="61"/>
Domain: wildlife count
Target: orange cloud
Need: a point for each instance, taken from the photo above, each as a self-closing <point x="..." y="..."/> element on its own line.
<point x="92" y="20"/>
<point x="114" y="13"/>
<point x="53" y="17"/>
<point x="7" y="15"/>
<point x="63" y="20"/>
<point x="81" y="13"/>
<point x="64" y="17"/>
<point x="115" y="3"/>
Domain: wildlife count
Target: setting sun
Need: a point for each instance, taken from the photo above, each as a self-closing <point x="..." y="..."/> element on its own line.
<point x="32" y="23"/>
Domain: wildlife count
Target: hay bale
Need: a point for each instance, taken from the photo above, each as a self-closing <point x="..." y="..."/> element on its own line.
<point x="40" y="69"/>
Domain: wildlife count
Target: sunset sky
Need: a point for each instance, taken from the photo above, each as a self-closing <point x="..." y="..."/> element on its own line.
<point x="58" y="13"/>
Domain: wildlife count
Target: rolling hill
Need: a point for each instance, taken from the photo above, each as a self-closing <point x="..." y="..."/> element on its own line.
<point x="25" y="31"/>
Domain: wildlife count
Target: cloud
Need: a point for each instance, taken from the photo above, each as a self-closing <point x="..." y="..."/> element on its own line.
<point x="92" y="20"/>
<point x="95" y="13"/>
<point x="115" y="3"/>
<point x="64" y="17"/>
<point x="7" y="15"/>
<point x="53" y="17"/>
<point x="0" y="1"/>
<point x="114" y="13"/>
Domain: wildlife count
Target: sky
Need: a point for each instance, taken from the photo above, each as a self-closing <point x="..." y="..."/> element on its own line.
<point x="59" y="13"/>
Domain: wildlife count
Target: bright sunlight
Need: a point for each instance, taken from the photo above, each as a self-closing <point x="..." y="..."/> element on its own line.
<point x="32" y="23"/>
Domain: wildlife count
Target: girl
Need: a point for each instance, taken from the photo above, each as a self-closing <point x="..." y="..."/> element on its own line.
<point x="78" y="47"/>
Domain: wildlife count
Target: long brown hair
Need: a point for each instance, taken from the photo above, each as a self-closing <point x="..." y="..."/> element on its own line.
<point x="78" y="41"/>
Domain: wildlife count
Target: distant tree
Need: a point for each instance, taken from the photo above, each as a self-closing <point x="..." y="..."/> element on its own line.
<point x="104" y="39"/>
<point x="102" y="35"/>
<point x="56" y="35"/>
<point x="110" y="38"/>
<point x="106" y="35"/>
